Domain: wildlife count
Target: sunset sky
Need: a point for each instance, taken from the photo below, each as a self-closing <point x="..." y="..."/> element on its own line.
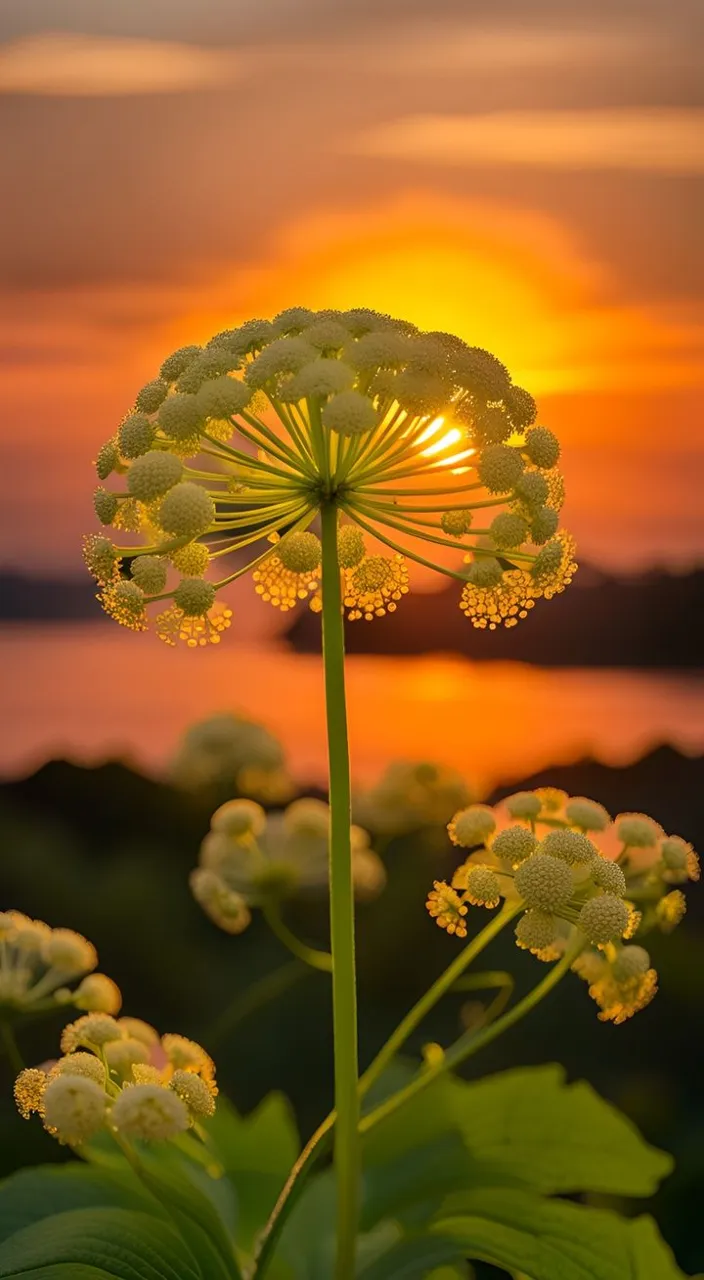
<point x="530" y="180"/>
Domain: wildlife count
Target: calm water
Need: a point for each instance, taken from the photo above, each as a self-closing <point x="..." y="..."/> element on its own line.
<point x="92" y="692"/>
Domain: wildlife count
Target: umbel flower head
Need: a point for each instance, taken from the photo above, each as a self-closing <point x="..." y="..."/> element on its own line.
<point x="410" y="796"/>
<point x="250" y="859"/>
<point x="41" y="968"/>
<point x="422" y="443"/>
<point x="231" y="753"/>
<point x="119" y="1074"/>
<point x="571" y="895"/>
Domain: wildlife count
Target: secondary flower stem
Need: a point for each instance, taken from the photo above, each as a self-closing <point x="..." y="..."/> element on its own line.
<point x="309" y="955"/>
<point x="9" y="1044"/>
<point x="471" y="1042"/>
<point x="428" y="1001"/>
<point x="344" y="991"/>
<point x="319" y="1143"/>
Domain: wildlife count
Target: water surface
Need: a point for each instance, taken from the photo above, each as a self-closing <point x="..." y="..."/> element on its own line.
<point x="92" y="691"/>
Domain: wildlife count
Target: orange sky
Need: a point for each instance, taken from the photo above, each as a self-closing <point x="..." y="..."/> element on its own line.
<point x="491" y="180"/>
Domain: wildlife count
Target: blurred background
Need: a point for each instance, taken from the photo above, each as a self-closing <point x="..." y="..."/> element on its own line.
<point x="527" y="177"/>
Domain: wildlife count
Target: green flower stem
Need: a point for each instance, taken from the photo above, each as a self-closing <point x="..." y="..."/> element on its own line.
<point x="494" y="979"/>
<point x="344" y="991"/>
<point x="472" y="1041"/>
<point x="309" y="955"/>
<point x="290" y="1194"/>
<point x="10" y="1046"/>
<point x="256" y="996"/>
<point x="320" y="1141"/>
<point x="434" y="993"/>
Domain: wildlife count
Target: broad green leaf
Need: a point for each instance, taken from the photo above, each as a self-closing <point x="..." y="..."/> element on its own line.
<point x="66" y="1271"/>
<point x="553" y="1239"/>
<point x="414" y="1258"/>
<point x="257" y="1151"/>
<point x="117" y="1242"/>
<point x="653" y="1258"/>
<point x="414" y="1186"/>
<point x="450" y="1273"/>
<point x="528" y="1126"/>
<point x="183" y="1179"/>
<point x="183" y="1195"/>
<point x="33" y="1194"/>
<point x="306" y="1250"/>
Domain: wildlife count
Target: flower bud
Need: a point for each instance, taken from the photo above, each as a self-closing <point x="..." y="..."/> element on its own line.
<point x="137" y="1029"/>
<point x="300" y="552"/>
<point x="121" y="1056"/>
<point x="483" y="887"/>
<point x="136" y="435"/>
<point x="194" y="1092"/>
<point x="92" y="1031"/>
<point x="223" y="397"/>
<point x="544" y="882"/>
<point x="500" y="468"/>
<point x="637" y="830"/>
<point x="608" y="875"/>
<point x="105" y="505"/>
<point x="350" y="413"/>
<point x="97" y="994"/>
<point x="191" y="560"/>
<point x="149" y="572"/>
<point x="73" y="1108"/>
<point x="194" y="597"/>
<point x="151" y="396"/>
<point x="187" y="1054"/>
<point x="514" y="845"/>
<point x="548" y="561"/>
<point x="472" y="826"/>
<point x="542" y="447"/>
<point x="524" y="804"/>
<point x="187" y="510"/>
<point x="238" y="818"/>
<point x="533" y="490"/>
<point x="150" y="1112"/>
<point x="508" y="530"/>
<point x="285" y="356"/>
<point x="80" y="1064"/>
<point x="520" y="407"/>
<point x="572" y="847"/>
<point x="587" y="814"/>
<point x="152" y="475"/>
<point x="69" y="952"/>
<point x="679" y="861"/>
<point x="181" y="417"/>
<point x="101" y="558"/>
<point x="485" y="572"/>
<point x="631" y="962"/>
<point x="108" y="460"/>
<point x="321" y="378"/>
<point x="543" y="525"/>
<point x="175" y="364"/>
<point x="29" y="1090"/>
<point x="225" y="907"/>
<point x="456" y="523"/>
<point x="536" y="930"/>
<point x="604" y="919"/>
<point x="350" y="546"/>
<point x="308" y="817"/>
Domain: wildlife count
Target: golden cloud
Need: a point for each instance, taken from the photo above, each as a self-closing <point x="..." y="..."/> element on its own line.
<point x="65" y="65"/>
<point x="652" y="139"/>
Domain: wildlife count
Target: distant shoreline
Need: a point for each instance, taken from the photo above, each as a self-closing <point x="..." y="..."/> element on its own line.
<point x="651" y="622"/>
